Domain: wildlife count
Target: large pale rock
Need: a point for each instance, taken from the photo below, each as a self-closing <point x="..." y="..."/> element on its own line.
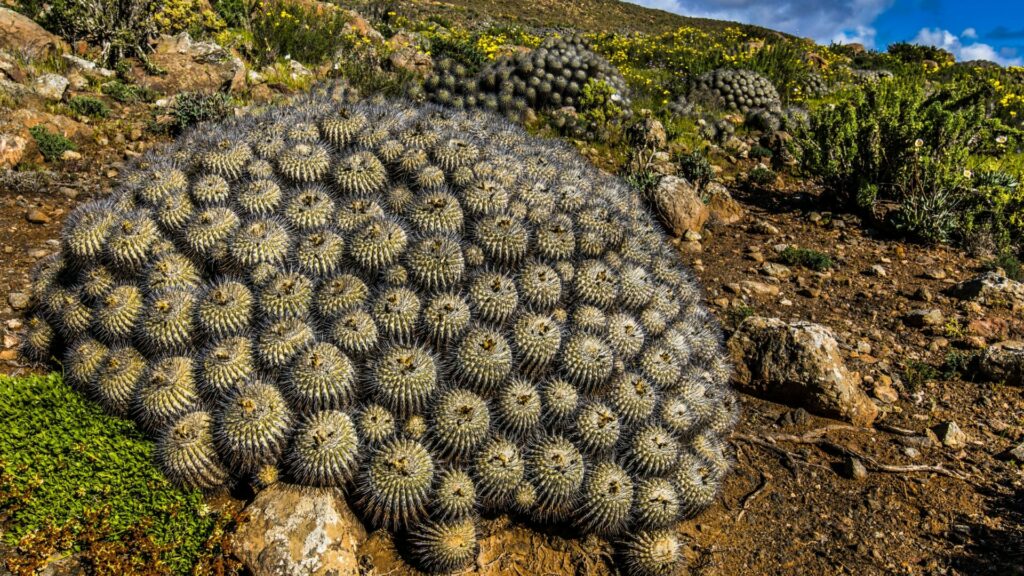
<point x="722" y="208"/>
<point x="292" y="529"/>
<point x="406" y="55"/>
<point x="20" y="35"/>
<point x="87" y="68"/>
<point x="991" y="289"/>
<point x="191" y="66"/>
<point x="679" y="206"/>
<point x="798" y="364"/>
<point x="50" y="86"/>
<point x="26" y="118"/>
<point x="12" y="149"/>
<point x="1003" y="362"/>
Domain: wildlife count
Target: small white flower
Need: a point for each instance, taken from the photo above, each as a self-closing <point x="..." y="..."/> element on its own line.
<point x="918" y="143"/>
<point x="968" y="173"/>
<point x="1001" y="139"/>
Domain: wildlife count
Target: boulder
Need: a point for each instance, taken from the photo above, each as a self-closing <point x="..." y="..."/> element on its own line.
<point x="191" y="67"/>
<point x="722" y="208"/>
<point x="798" y="364"/>
<point x="88" y="68"/>
<point x="678" y="205"/>
<point x="406" y="55"/>
<point x="20" y="35"/>
<point x="292" y="529"/>
<point x="25" y="118"/>
<point x="50" y="86"/>
<point x="12" y="149"/>
<point x="991" y="289"/>
<point x="1003" y="362"/>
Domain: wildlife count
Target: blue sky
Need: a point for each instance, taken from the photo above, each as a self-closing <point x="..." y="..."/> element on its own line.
<point x="971" y="29"/>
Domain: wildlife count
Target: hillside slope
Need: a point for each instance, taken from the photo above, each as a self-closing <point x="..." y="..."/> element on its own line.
<point x="582" y="15"/>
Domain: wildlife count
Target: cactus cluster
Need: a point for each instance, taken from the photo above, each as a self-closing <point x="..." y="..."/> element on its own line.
<point x="741" y="90"/>
<point x="426" y="307"/>
<point x="550" y="76"/>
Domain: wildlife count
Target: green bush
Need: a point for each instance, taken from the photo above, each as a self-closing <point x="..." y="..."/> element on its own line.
<point x="760" y="177"/>
<point x="121" y="28"/>
<point x="89" y="106"/>
<point x="806" y="257"/>
<point x="51" y="144"/>
<point x="281" y="29"/>
<point x="63" y="462"/>
<point x="127" y="93"/>
<point x="695" y="167"/>
<point x="191" y="108"/>
<point x="916" y="54"/>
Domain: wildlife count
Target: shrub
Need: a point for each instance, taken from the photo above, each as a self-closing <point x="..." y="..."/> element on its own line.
<point x="806" y="257"/>
<point x="329" y="291"/>
<point x="282" y="29"/>
<point x="121" y="28"/>
<point x="67" y="467"/>
<point x="51" y="144"/>
<point x="760" y="176"/>
<point x="127" y="93"/>
<point x="695" y="167"/>
<point x="89" y="106"/>
<point x="191" y="108"/>
<point x="174" y="16"/>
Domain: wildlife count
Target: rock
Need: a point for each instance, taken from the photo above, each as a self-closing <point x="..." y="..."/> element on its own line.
<point x="878" y="270"/>
<point x="776" y="270"/>
<point x="26" y="118"/>
<point x="87" y="68"/>
<point x="1003" y="362"/>
<point x="799" y="364"/>
<point x="854" y="468"/>
<point x="950" y="435"/>
<point x="649" y="132"/>
<point x="406" y="55"/>
<point x="923" y="294"/>
<point x="760" y="288"/>
<point x="50" y="86"/>
<point x="37" y="216"/>
<point x="12" y="149"/>
<point x="924" y="318"/>
<point x="191" y="66"/>
<point x="20" y="35"/>
<point x="1015" y="453"/>
<point x="291" y="529"/>
<point x="722" y="208"/>
<point x="935" y="274"/>
<point x="884" y="390"/>
<point x="661" y="164"/>
<point x="991" y="289"/>
<point x="765" y="227"/>
<point x="70" y="155"/>
<point x="679" y="206"/>
<point x="19" y="300"/>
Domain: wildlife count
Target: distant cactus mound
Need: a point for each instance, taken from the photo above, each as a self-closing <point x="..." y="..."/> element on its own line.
<point x="427" y="307"/>
<point x="550" y="76"/>
<point x="742" y="90"/>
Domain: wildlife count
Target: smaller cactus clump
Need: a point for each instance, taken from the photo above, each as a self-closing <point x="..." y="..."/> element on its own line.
<point x="548" y="77"/>
<point x="741" y="90"/>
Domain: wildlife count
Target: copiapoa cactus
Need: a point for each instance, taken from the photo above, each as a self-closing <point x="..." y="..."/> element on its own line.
<point x="426" y="307"/>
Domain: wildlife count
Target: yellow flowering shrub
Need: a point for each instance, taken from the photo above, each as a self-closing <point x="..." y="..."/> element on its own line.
<point x="177" y="16"/>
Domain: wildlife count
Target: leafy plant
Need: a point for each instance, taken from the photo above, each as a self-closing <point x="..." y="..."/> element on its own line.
<point x="806" y="257"/>
<point x="121" y="28"/>
<point x="127" y="93"/>
<point x="68" y="469"/>
<point x="695" y="167"/>
<point x="282" y="29"/>
<point x="89" y="106"/>
<point x="191" y="108"/>
<point x="51" y="144"/>
<point x="760" y="177"/>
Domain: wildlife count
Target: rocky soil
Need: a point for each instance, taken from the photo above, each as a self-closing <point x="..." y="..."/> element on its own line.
<point x="883" y="414"/>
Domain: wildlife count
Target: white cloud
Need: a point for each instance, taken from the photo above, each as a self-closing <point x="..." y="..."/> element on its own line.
<point x="969" y="33"/>
<point x="973" y="51"/>
<point x="829" y="21"/>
